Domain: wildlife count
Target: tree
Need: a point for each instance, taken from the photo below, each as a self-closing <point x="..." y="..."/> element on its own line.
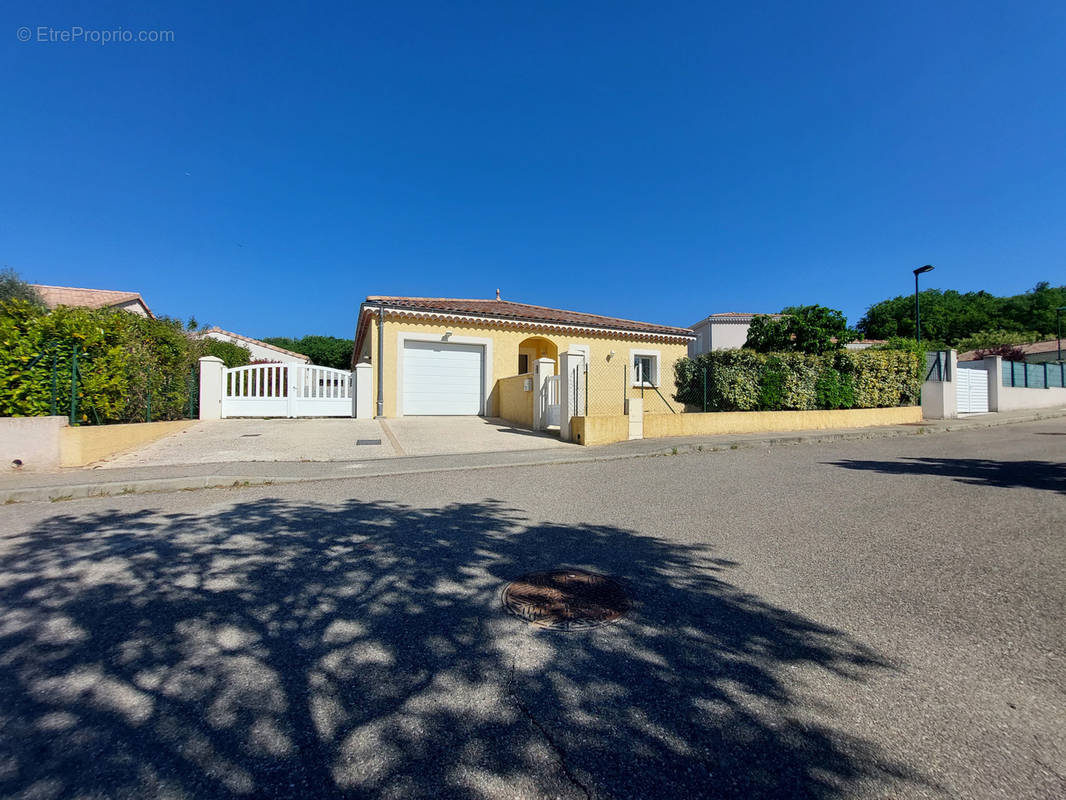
<point x="996" y="338"/>
<point x="14" y="288"/>
<point x="950" y="316"/>
<point x="803" y="329"/>
<point x="325" y="351"/>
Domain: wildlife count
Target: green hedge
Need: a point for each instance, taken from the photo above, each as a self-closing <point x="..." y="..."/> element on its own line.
<point x="123" y="360"/>
<point x="743" y="380"/>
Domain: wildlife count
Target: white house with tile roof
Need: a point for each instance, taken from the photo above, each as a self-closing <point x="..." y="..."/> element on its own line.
<point x="261" y="351"/>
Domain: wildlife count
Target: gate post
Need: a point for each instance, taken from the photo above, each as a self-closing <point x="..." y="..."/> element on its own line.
<point x="939" y="398"/>
<point x="362" y="394"/>
<point x="543" y="368"/>
<point x="212" y="384"/>
<point x="295" y="375"/>
<point x="994" y="366"/>
<point x="635" y="412"/>
<point x="570" y="363"/>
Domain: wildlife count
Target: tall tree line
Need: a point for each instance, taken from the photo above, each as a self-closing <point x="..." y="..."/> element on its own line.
<point x="950" y="316"/>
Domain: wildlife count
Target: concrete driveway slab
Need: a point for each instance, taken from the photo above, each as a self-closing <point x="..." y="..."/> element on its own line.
<point x="252" y="440"/>
<point x="228" y="440"/>
<point x="426" y="436"/>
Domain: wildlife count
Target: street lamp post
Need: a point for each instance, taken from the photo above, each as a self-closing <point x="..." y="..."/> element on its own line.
<point x="917" y="308"/>
<point x="1058" y="328"/>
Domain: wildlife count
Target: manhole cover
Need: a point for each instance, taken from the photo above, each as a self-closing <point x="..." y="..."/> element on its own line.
<point x="566" y="599"/>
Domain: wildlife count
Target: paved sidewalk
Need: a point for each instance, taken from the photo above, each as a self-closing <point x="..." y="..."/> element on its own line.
<point x="72" y="484"/>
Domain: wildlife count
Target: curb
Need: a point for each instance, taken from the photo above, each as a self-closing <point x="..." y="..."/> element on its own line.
<point x="59" y="493"/>
<point x="80" y="491"/>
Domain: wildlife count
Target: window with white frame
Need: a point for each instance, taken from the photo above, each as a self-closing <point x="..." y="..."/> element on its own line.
<point x="645" y="368"/>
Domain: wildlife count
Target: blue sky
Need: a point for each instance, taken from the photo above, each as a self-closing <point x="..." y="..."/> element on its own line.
<point x="273" y="165"/>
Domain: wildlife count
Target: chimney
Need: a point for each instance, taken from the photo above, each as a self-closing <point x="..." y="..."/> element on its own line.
<point x="497" y="294"/>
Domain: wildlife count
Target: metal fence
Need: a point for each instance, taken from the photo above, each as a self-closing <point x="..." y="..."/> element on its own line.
<point x="938" y="366"/>
<point x="603" y="391"/>
<point x="64" y="383"/>
<point x="1034" y="376"/>
<point x="64" y="376"/>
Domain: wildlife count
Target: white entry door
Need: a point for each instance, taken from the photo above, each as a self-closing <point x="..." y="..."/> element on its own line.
<point x="441" y="378"/>
<point x="972" y="391"/>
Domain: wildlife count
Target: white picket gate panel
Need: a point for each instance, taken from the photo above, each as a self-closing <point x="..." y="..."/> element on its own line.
<point x="286" y="390"/>
<point x="550" y="400"/>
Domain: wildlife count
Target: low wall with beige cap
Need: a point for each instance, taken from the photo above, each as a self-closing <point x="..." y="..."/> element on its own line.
<point x="40" y="444"/>
<point x="605" y="430"/>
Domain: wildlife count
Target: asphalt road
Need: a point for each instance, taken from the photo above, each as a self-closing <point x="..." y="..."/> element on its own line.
<point x="875" y="619"/>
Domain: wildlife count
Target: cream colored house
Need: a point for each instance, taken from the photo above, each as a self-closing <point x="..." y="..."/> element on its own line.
<point x="448" y="356"/>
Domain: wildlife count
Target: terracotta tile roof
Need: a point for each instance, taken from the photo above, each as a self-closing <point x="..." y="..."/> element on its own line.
<point x="86" y="298"/>
<point x="250" y="340"/>
<point x="505" y="309"/>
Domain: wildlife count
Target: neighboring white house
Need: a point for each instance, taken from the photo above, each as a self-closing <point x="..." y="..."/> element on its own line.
<point x="261" y="351"/>
<point x="54" y="296"/>
<point x="863" y="344"/>
<point x="725" y="331"/>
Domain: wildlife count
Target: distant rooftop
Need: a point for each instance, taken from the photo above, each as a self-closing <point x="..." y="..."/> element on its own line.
<point x="735" y="316"/>
<point x="241" y="338"/>
<point x="1047" y="346"/>
<point x="54" y="296"/>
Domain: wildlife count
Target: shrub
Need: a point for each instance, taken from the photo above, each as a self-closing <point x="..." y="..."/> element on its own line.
<point x="122" y="360"/>
<point x="742" y="380"/>
<point x="1008" y="352"/>
<point x="771" y="384"/>
<point x="232" y="355"/>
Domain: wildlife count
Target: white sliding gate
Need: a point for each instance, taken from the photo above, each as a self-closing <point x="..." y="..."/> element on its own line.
<point x="286" y="390"/>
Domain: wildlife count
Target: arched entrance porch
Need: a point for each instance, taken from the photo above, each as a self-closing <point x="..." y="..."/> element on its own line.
<point x="529" y="350"/>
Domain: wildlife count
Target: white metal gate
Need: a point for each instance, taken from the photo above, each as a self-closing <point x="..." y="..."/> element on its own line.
<point x="286" y="390"/>
<point x="971" y="389"/>
<point x="549" y="400"/>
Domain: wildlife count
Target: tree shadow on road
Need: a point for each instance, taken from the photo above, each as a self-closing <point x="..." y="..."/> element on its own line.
<point x="1045" y="475"/>
<point x="282" y="649"/>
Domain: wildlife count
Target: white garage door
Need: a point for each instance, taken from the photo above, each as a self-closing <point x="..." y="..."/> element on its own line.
<point x="442" y="378"/>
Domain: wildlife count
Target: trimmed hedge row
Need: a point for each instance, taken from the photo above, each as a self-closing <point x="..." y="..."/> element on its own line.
<point x="123" y="360"/>
<point x="743" y="380"/>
